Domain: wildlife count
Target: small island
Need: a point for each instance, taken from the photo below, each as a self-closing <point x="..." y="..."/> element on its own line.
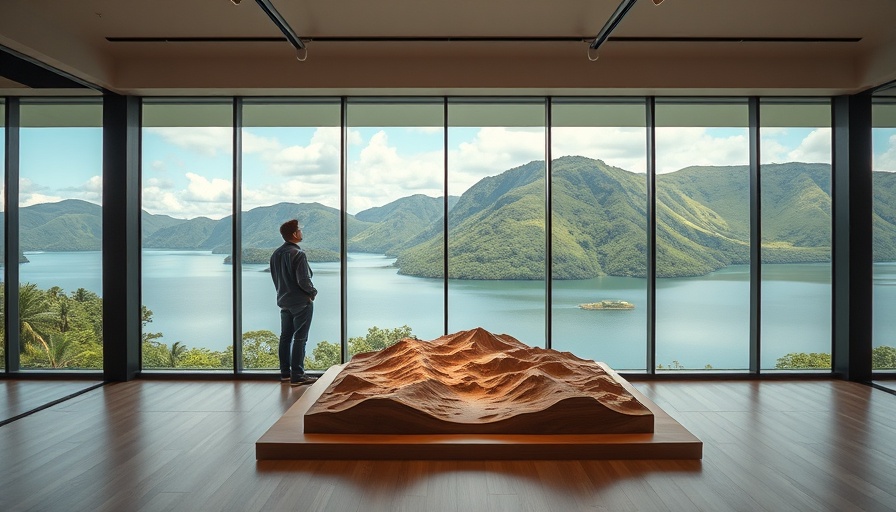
<point x="608" y="304"/>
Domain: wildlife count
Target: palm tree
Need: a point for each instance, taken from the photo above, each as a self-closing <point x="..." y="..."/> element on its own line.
<point x="60" y="350"/>
<point x="63" y="313"/>
<point x="176" y="352"/>
<point x="82" y="295"/>
<point x="34" y="314"/>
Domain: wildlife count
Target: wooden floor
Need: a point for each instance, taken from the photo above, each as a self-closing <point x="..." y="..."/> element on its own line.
<point x="18" y="397"/>
<point x="162" y="445"/>
<point x="888" y="384"/>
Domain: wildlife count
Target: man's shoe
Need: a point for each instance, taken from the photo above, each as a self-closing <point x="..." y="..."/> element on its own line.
<point x="303" y="380"/>
<point x="284" y="378"/>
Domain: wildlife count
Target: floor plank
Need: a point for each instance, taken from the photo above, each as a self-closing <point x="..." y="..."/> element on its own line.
<point x="181" y="445"/>
<point x="19" y="397"/>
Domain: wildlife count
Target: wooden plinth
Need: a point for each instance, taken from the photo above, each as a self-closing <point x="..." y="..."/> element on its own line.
<point x="286" y="439"/>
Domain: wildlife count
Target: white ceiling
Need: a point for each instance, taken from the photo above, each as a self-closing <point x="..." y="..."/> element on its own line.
<point x="73" y="36"/>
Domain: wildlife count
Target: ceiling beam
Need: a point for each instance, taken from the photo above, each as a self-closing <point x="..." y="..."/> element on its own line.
<point x="35" y="74"/>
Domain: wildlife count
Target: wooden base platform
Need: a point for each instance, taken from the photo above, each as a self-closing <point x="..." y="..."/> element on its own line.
<point x="286" y="439"/>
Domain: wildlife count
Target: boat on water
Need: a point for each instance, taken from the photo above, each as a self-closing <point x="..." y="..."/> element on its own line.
<point x="608" y="304"/>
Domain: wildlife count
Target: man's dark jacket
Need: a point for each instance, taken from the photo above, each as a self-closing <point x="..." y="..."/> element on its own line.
<point x="292" y="276"/>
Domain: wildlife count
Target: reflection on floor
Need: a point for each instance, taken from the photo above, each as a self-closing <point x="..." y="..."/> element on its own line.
<point x="887" y="384"/>
<point x="18" y="397"/>
<point x="819" y="445"/>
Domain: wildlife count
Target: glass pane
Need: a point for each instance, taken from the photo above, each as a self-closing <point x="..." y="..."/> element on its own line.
<point x="2" y="231"/>
<point x="396" y="204"/>
<point x="599" y="232"/>
<point x="702" y="236"/>
<point x="60" y="225"/>
<point x="795" y="184"/>
<point x="187" y="204"/>
<point x="496" y="226"/>
<point x="883" y="134"/>
<point x="291" y="156"/>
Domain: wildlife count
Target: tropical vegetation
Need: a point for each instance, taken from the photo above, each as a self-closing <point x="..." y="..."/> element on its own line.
<point x="58" y="330"/>
<point x="64" y="330"/>
<point x="882" y="357"/>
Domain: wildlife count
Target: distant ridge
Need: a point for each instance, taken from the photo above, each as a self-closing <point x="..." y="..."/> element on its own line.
<point x="497" y="227"/>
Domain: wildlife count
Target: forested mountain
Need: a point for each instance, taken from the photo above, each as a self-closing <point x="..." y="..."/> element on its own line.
<point x="599" y="221"/>
<point x="398" y="222"/>
<point x="261" y="230"/>
<point x="66" y="225"/>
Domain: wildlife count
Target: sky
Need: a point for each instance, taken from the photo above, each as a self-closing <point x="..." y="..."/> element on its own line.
<point x="187" y="171"/>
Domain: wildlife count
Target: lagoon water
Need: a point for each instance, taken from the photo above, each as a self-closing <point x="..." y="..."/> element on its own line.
<point x="699" y="321"/>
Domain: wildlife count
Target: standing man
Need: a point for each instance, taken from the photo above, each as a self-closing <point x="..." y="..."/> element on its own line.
<point x="295" y="296"/>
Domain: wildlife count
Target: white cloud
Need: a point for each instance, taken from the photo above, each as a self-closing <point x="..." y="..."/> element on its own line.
<point x="625" y="148"/>
<point x="293" y="191"/>
<point x="886" y="161"/>
<point x="201" y="189"/>
<point x="202" y="197"/>
<point x="316" y="161"/>
<point x="159" y="183"/>
<point x="815" y="148"/>
<point x="386" y="169"/>
<point x="680" y="147"/>
<point x="37" y="198"/>
<point x="772" y="151"/>
<point x="158" y="165"/>
<point x="31" y="193"/>
<point x="304" y="173"/>
<point x="255" y="144"/>
<point x="165" y="202"/>
<point x="773" y="130"/>
<point x="493" y="151"/>
<point x="383" y="174"/>
<point x="91" y="190"/>
<point x="205" y="140"/>
<point x="94" y="185"/>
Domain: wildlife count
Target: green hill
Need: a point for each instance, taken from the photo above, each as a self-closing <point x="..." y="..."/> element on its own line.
<point x="599" y="221"/>
<point x="190" y="235"/>
<point x="69" y="225"/>
<point x="392" y="225"/>
<point x="261" y="230"/>
<point x="152" y="223"/>
<point x="884" y="201"/>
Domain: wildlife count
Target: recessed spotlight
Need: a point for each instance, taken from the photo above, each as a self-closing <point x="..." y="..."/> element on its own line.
<point x="237" y="2"/>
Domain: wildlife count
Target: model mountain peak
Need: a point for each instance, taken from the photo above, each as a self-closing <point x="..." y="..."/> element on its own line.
<point x="475" y="382"/>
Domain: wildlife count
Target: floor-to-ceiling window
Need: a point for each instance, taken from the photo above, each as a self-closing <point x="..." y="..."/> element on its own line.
<point x="290" y="170"/>
<point x="496" y="227"/>
<point x="2" y="230"/>
<point x="60" y="230"/>
<point x="187" y="169"/>
<point x="599" y="231"/>
<point x="883" y="355"/>
<point x="398" y="154"/>
<point x="795" y="185"/>
<point x="702" y="235"/>
<point x="395" y="202"/>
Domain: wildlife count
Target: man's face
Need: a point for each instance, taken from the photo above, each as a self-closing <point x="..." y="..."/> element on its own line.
<point x="298" y="235"/>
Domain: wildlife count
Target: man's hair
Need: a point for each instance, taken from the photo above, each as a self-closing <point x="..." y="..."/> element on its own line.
<point x="288" y="228"/>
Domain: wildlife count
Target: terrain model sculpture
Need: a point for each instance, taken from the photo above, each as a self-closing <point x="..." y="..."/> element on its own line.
<point x="475" y="382"/>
